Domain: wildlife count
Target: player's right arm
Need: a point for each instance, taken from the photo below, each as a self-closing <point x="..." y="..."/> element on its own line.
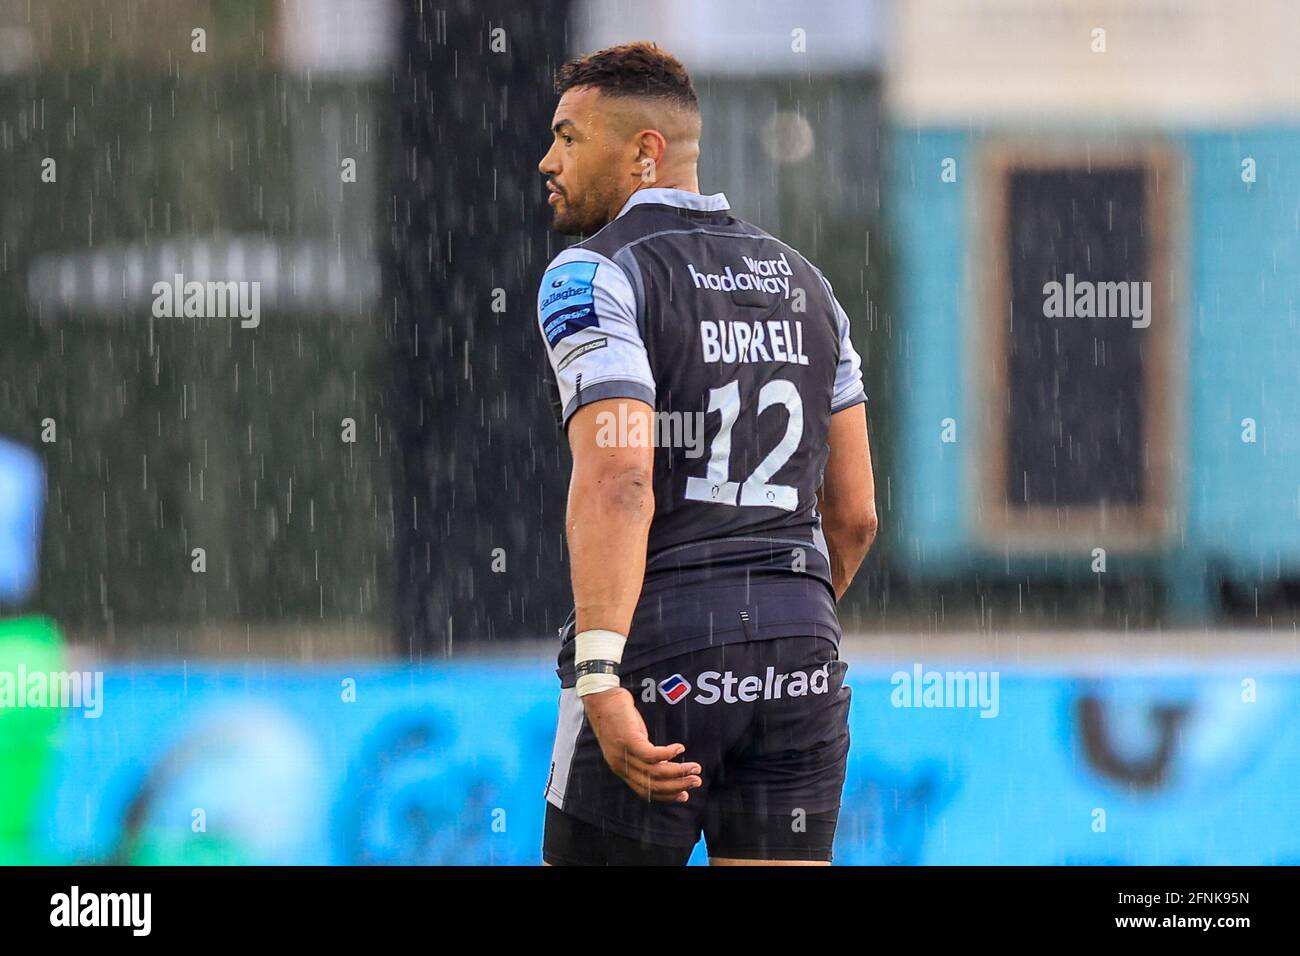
<point x="847" y="497"/>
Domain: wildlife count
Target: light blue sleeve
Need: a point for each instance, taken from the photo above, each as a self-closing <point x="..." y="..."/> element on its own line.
<point x="848" y="373"/>
<point x="586" y="313"/>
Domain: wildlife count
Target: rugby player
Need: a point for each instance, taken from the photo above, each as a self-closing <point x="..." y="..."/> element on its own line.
<point x="701" y="685"/>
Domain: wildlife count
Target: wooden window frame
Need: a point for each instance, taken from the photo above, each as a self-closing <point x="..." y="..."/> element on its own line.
<point x="1074" y="528"/>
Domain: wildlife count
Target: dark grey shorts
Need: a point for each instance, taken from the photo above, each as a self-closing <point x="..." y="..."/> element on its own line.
<point x="767" y="720"/>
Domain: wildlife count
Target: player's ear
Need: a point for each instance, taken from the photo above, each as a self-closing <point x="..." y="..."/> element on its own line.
<point x="651" y="147"/>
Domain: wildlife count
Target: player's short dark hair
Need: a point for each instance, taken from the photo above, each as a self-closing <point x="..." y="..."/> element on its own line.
<point x="631" y="69"/>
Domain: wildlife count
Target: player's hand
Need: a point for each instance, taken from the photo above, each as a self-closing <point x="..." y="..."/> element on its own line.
<point x="647" y="769"/>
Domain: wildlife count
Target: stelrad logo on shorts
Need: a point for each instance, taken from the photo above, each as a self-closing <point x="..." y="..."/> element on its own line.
<point x="714" y="686"/>
<point x="674" y="688"/>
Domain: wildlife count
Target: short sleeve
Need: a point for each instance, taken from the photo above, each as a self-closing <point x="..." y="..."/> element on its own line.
<point x="586" y="311"/>
<point x="848" y="373"/>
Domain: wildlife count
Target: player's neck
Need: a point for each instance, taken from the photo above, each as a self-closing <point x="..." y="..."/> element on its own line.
<point x="687" y="182"/>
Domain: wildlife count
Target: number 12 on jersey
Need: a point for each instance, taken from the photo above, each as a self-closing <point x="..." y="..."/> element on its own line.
<point x="755" y="491"/>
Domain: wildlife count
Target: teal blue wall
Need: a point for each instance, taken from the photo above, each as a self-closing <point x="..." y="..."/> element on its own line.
<point x="1243" y="322"/>
<point x="928" y="231"/>
<point x="1239" y="350"/>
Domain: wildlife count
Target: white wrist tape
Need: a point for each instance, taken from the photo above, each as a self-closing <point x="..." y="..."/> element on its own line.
<point x="602" y="651"/>
<point x="598" y="645"/>
<point x="595" y="683"/>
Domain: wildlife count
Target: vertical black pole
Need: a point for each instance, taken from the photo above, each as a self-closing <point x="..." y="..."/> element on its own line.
<point x="481" y="467"/>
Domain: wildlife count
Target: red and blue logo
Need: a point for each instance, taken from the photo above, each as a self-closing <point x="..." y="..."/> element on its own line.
<point x="674" y="688"/>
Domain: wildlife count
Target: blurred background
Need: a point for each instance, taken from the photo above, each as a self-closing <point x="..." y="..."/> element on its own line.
<point x="313" y="560"/>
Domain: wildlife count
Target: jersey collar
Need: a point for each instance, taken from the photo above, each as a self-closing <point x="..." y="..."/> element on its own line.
<point x="680" y="198"/>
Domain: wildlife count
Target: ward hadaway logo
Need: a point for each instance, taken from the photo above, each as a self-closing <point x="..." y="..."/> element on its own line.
<point x="674" y="688"/>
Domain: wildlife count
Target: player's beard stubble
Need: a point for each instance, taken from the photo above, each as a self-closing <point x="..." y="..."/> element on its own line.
<point x="587" y="212"/>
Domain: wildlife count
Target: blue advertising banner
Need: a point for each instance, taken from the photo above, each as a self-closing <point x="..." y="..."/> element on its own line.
<point x="376" y="764"/>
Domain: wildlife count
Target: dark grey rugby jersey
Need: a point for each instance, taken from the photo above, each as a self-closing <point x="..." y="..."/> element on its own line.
<point x="740" y="346"/>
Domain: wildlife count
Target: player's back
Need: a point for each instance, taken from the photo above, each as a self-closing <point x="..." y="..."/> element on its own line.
<point x="740" y="347"/>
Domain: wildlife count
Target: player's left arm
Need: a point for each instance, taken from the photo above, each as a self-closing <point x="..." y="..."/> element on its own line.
<point x="586" y="312"/>
<point x="611" y="504"/>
